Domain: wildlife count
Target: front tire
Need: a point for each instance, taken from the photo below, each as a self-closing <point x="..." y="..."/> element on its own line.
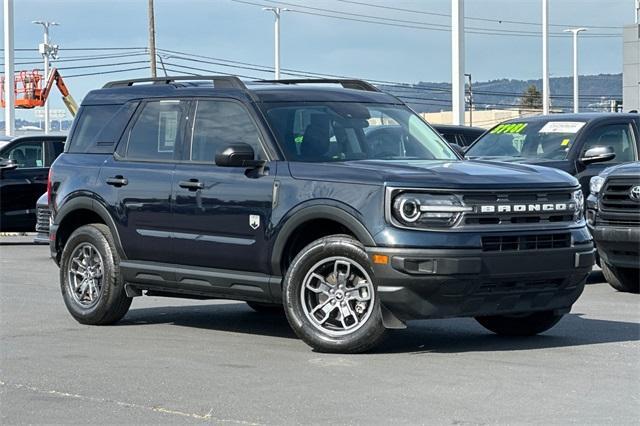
<point x="520" y="325"/>
<point x="622" y="279"/>
<point x="330" y="298"/>
<point x="89" y="277"/>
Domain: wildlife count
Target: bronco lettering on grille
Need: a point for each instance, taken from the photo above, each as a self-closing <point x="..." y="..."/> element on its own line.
<point x="527" y="208"/>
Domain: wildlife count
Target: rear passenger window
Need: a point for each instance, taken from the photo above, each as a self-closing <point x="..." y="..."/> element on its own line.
<point x="27" y="155"/>
<point x="157" y="131"/>
<point x="219" y="124"/>
<point x="90" y="122"/>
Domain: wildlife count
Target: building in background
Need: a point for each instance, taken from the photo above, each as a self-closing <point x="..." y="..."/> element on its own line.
<point x="631" y="68"/>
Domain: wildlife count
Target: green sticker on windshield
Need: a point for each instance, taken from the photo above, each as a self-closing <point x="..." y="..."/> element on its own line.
<point x="511" y="128"/>
<point x="298" y="139"/>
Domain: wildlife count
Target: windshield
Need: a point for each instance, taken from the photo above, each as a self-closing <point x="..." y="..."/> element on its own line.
<point x="545" y="140"/>
<point x="343" y="131"/>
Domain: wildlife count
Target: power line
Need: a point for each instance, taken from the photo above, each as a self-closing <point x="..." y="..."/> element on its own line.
<point x="447" y="15"/>
<point x="408" y="24"/>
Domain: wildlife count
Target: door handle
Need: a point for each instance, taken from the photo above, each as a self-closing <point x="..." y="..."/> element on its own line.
<point x="117" y="181"/>
<point x="191" y="184"/>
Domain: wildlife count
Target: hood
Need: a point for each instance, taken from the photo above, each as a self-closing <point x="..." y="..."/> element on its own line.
<point x="435" y="174"/>
<point x="626" y="169"/>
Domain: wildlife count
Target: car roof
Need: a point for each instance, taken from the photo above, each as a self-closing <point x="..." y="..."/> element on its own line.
<point x="260" y="91"/>
<point x="583" y="116"/>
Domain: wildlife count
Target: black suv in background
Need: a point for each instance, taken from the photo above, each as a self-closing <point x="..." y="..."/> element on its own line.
<point x="24" y="167"/>
<point x="460" y="135"/>
<point x="613" y="216"/>
<point x="276" y="194"/>
<point x="582" y="145"/>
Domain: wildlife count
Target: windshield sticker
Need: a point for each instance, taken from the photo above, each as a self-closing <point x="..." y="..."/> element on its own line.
<point x="565" y="142"/>
<point x="562" y="127"/>
<point x="511" y="128"/>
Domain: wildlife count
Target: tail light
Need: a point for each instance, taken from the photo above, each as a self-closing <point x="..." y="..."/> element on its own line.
<point x="49" y="188"/>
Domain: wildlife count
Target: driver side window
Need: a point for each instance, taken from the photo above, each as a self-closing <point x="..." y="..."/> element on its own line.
<point x="618" y="137"/>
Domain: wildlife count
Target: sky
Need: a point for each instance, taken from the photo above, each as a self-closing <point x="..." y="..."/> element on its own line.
<point x="394" y="51"/>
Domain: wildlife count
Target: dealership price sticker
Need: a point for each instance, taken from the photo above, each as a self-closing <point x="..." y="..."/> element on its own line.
<point x="562" y="127"/>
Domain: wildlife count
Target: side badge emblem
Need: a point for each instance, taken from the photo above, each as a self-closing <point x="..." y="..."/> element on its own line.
<point x="254" y="221"/>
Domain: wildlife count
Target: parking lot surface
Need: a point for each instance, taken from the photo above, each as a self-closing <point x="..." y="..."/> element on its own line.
<point x="182" y="361"/>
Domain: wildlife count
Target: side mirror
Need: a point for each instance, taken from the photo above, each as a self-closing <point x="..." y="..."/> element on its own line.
<point x="7" y="164"/>
<point x="598" y="154"/>
<point x="237" y="155"/>
<point x="457" y="148"/>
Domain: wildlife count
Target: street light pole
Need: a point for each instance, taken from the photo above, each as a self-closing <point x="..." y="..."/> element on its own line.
<point x="576" y="98"/>
<point x="545" y="56"/>
<point x="457" y="61"/>
<point x="276" y="11"/>
<point x="9" y="82"/>
<point x="46" y="50"/>
<point x="152" y="39"/>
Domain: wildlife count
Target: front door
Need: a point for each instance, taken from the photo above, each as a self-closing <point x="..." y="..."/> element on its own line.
<point x="222" y="214"/>
<point x="619" y="136"/>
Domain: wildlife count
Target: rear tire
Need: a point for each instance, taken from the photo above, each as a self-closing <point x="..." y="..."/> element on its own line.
<point x="266" y="308"/>
<point x="622" y="279"/>
<point x="520" y="325"/>
<point x="330" y="297"/>
<point x="89" y="277"/>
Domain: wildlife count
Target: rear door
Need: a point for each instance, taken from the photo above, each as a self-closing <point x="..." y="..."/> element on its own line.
<point x="221" y="214"/>
<point x="138" y="179"/>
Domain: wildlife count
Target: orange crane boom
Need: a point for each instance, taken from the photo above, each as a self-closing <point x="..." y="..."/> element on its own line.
<point x="30" y="95"/>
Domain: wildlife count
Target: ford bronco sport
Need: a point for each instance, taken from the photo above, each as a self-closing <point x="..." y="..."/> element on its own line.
<point x="271" y="192"/>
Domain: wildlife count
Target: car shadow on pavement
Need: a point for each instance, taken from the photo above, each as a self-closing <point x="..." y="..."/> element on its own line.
<point x="232" y="317"/>
<point x="466" y="335"/>
<point x="457" y="335"/>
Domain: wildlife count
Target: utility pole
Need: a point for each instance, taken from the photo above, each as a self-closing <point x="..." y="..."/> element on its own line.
<point x="545" y="56"/>
<point x="152" y="40"/>
<point x="276" y="11"/>
<point x="470" y="99"/>
<point x="576" y="98"/>
<point x="457" y="60"/>
<point x="9" y="77"/>
<point x="47" y="51"/>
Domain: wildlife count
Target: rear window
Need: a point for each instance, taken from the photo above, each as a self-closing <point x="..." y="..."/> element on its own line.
<point x="90" y="123"/>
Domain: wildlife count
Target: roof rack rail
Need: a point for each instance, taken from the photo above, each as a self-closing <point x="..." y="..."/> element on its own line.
<point x="220" y="81"/>
<point x="346" y="83"/>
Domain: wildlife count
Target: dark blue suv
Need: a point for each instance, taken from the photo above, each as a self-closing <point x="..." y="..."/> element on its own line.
<point x="276" y="193"/>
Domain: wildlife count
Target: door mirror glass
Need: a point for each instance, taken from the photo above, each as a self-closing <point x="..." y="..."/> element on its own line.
<point x="237" y="155"/>
<point x="598" y="154"/>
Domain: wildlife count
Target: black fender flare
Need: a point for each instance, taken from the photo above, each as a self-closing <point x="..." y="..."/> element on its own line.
<point x="85" y="202"/>
<point x="311" y="212"/>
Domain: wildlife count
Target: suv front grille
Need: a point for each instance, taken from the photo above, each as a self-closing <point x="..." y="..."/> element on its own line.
<point x="42" y="224"/>
<point x="526" y="242"/>
<point x="523" y="200"/>
<point x="616" y="196"/>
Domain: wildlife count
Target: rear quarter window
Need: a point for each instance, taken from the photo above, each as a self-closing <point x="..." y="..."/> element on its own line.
<point x="99" y="127"/>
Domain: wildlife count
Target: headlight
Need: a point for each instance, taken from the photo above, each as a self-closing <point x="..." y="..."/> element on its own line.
<point x="427" y="210"/>
<point x="578" y="199"/>
<point x="595" y="184"/>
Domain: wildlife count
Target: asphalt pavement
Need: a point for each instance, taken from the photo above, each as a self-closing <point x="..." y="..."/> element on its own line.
<point x="183" y="361"/>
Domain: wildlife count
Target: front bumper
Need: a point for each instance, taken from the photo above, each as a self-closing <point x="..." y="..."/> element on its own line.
<point x="437" y="283"/>
<point x="618" y="246"/>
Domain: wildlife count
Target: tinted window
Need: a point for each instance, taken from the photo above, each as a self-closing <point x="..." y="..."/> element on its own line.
<point x="27" y="154"/>
<point x="90" y="122"/>
<point x="219" y="124"/>
<point x="157" y="131"/>
<point x="346" y="131"/>
<point x="56" y="149"/>
<point x="540" y="140"/>
<point x="619" y="137"/>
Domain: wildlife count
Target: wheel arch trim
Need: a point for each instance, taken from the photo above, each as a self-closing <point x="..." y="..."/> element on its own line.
<point x="311" y="212"/>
